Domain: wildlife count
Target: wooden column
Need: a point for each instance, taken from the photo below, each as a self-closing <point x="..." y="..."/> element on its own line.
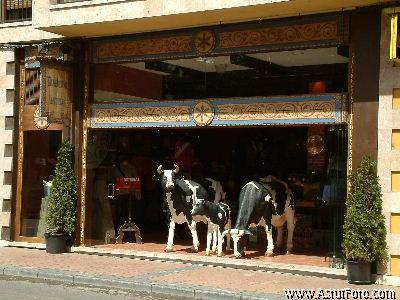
<point x="364" y="82"/>
<point x="83" y="121"/>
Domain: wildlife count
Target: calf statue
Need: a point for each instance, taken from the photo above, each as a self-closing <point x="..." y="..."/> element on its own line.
<point x="181" y="195"/>
<point x="218" y="217"/>
<point x="268" y="203"/>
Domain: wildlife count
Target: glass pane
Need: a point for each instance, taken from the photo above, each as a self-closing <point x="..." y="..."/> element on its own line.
<point x="32" y="86"/>
<point x="237" y="75"/>
<point x="40" y="154"/>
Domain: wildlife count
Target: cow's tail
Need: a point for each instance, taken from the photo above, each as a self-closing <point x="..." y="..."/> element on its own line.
<point x="228" y="227"/>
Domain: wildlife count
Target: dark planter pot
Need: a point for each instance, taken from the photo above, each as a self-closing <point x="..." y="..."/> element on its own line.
<point x="56" y="243"/>
<point x="359" y="272"/>
<point x="70" y="239"/>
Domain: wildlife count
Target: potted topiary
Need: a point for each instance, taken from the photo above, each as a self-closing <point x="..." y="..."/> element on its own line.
<point x="364" y="240"/>
<point x="60" y="219"/>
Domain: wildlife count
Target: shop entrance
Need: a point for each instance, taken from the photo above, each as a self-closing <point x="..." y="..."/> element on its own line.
<point x="233" y="156"/>
<point x="221" y="116"/>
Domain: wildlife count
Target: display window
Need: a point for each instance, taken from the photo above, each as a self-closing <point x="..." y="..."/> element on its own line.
<point x="310" y="158"/>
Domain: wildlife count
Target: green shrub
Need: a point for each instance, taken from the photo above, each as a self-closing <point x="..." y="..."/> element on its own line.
<point x="364" y="226"/>
<point x="61" y="214"/>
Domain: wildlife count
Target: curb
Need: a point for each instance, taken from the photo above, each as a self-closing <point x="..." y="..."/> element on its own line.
<point x="129" y="284"/>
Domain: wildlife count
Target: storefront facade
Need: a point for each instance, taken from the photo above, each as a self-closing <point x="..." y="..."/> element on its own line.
<point x="106" y="86"/>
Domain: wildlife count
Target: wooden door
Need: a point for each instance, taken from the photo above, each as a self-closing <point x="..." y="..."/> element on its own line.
<point x="45" y="92"/>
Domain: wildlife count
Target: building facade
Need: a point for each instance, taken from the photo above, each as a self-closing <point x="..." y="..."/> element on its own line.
<point x="113" y="62"/>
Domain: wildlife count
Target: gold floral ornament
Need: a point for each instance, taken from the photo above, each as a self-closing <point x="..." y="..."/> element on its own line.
<point x="204" y="41"/>
<point x="203" y="113"/>
<point x="41" y="120"/>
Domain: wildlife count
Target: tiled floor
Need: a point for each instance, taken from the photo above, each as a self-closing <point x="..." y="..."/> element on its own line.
<point x="310" y="259"/>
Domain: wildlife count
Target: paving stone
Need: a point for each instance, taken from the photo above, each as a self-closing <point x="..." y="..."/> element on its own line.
<point x="250" y="296"/>
<point x="55" y="275"/>
<point x="215" y="294"/>
<point x="173" y="290"/>
<point x="20" y="272"/>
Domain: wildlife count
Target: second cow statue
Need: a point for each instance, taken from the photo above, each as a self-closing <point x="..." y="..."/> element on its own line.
<point x="268" y="203"/>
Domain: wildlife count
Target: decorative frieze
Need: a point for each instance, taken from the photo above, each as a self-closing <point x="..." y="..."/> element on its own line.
<point x="279" y="35"/>
<point x="305" y="109"/>
<point x="174" y="44"/>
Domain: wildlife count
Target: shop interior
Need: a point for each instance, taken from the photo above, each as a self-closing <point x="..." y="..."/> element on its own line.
<point x="314" y="168"/>
<point x="312" y="158"/>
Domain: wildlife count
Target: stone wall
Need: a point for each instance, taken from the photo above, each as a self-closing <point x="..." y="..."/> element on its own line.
<point x="10" y="33"/>
<point x="388" y="148"/>
<point x="7" y="93"/>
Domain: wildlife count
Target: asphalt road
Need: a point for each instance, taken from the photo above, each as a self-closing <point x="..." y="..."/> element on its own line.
<point x="16" y="289"/>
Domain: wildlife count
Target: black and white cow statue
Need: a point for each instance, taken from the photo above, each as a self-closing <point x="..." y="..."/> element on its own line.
<point x="181" y="195"/>
<point x="268" y="203"/>
<point x="218" y="218"/>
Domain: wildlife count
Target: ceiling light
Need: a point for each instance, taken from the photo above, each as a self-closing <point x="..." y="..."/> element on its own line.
<point x="207" y="60"/>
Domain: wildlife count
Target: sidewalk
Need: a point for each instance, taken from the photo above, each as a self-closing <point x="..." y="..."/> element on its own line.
<point x="164" y="277"/>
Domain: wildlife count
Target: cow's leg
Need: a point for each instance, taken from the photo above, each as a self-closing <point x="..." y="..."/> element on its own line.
<point x="270" y="246"/>
<point x="290" y="228"/>
<point x="235" y="246"/>
<point x="215" y="238"/>
<point x="279" y="238"/>
<point x="171" y="230"/>
<point x="196" y="243"/>
<point x="220" y="241"/>
<point x="209" y="237"/>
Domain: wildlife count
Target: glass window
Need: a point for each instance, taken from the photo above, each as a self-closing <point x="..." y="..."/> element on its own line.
<point x="237" y="75"/>
<point x="40" y="154"/>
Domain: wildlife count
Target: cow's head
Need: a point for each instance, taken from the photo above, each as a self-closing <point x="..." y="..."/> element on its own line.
<point x="239" y="238"/>
<point x="199" y="208"/>
<point x="167" y="177"/>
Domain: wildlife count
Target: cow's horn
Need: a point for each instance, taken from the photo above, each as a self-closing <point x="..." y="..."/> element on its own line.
<point x="176" y="168"/>
<point x="159" y="169"/>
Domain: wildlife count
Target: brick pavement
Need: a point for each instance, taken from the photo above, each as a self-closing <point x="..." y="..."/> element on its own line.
<point x="182" y="274"/>
<point x="93" y="264"/>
